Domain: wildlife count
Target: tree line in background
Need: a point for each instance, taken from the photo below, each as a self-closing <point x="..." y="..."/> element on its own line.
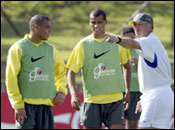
<point x="13" y="10"/>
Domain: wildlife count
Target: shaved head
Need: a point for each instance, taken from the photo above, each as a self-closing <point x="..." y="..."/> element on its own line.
<point x="37" y="19"/>
<point x="97" y="12"/>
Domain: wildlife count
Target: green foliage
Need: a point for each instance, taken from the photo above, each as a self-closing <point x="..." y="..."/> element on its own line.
<point x="70" y="20"/>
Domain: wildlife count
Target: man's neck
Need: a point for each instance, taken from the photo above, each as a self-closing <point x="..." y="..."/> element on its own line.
<point x="98" y="36"/>
<point x="145" y="35"/>
<point x="34" y="38"/>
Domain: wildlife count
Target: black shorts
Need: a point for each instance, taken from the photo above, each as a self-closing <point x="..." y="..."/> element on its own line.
<point x="94" y="115"/>
<point x="38" y="117"/>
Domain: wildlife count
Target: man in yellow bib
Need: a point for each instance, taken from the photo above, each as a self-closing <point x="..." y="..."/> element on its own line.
<point x="35" y="77"/>
<point x="102" y="78"/>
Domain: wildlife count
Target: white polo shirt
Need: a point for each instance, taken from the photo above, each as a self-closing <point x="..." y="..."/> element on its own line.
<point x="154" y="68"/>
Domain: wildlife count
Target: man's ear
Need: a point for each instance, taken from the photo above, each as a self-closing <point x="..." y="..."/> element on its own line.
<point x="106" y="22"/>
<point x="36" y="27"/>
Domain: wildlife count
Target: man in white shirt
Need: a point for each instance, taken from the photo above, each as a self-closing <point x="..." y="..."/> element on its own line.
<point x="154" y="73"/>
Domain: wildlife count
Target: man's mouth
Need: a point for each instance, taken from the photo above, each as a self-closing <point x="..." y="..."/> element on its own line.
<point x="96" y="29"/>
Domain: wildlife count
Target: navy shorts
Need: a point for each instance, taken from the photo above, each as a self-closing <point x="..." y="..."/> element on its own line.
<point x="38" y="117"/>
<point x="94" y="115"/>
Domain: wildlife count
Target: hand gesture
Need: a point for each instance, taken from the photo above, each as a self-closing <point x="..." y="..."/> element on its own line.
<point x="59" y="98"/>
<point x="138" y="107"/>
<point x="126" y="101"/>
<point x="134" y="61"/>
<point x="20" y="114"/>
<point x="76" y="103"/>
<point x="112" y="38"/>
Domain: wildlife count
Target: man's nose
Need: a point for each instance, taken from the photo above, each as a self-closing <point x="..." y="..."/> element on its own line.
<point x="96" y="25"/>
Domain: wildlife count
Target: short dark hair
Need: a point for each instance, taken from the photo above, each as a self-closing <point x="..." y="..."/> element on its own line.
<point x="127" y="28"/>
<point x="97" y="12"/>
<point x="37" y="19"/>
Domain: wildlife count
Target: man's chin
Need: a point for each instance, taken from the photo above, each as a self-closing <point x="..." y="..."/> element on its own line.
<point x="45" y="39"/>
<point x="95" y="32"/>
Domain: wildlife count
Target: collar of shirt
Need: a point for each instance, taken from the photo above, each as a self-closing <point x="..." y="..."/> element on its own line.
<point x="99" y="39"/>
<point x="36" y="44"/>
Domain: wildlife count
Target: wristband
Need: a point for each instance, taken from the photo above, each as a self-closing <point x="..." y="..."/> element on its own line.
<point x="119" y="40"/>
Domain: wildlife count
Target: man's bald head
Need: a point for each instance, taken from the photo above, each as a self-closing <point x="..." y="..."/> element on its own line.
<point x="37" y="19"/>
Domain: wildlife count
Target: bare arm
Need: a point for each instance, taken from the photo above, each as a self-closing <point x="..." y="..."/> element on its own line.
<point x="126" y="42"/>
<point x="75" y="101"/>
<point x="129" y="43"/>
<point x="127" y="75"/>
<point x="127" y="78"/>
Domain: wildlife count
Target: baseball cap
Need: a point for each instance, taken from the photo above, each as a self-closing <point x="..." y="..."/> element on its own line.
<point x="142" y="18"/>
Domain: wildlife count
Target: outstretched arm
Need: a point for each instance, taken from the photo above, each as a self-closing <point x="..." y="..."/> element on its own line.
<point x="126" y="42"/>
